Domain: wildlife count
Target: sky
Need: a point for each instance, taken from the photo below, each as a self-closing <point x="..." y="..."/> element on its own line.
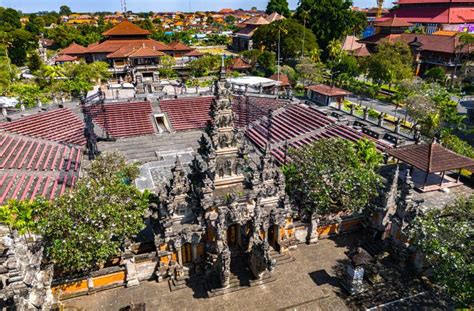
<point x="29" y="6"/>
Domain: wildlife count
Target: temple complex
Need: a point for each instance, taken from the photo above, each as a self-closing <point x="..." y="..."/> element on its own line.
<point x="219" y="216"/>
<point x="129" y="51"/>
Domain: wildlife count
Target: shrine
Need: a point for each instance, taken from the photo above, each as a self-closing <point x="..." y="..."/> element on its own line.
<point x="232" y="207"/>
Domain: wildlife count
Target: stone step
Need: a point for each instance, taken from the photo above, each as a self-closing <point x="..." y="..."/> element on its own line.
<point x="233" y="287"/>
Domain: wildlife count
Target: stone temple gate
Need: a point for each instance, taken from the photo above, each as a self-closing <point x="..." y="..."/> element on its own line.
<point x="231" y="206"/>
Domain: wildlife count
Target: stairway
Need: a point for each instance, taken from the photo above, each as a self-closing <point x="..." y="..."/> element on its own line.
<point x="281" y="259"/>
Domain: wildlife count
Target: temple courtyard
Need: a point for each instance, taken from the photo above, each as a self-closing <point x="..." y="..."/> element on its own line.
<point x="307" y="283"/>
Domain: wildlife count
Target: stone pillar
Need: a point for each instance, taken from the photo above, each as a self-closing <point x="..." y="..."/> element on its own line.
<point x="22" y="108"/>
<point x="352" y="109"/>
<point x="38" y="102"/>
<point x="381" y="118"/>
<point x="366" y="113"/>
<point x="4" y="112"/>
<point x="417" y="134"/>
<point x="90" y="285"/>
<point x="397" y="126"/>
<point x="312" y="236"/>
<point x="131" y="273"/>
<point x="194" y="250"/>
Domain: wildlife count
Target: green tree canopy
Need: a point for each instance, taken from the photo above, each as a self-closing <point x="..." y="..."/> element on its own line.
<point x="291" y="39"/>
<point x="391" y="63"/>
<point x="333" y="175"/>
<point x="22" y="42"/>
<point x="278" y="6"/>
<point x="330" y="19"/>
<point x="205" y="65"/>
<point x="65" y="10"/>
<point x="9" y="19"/>
<point x="85" y="228"/>
<point x="445" y="237"/>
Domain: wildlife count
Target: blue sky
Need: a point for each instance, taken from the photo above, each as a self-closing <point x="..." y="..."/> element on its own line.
<point x="147" y="5"/>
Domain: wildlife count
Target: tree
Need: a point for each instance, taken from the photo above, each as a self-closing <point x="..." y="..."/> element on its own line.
<point x="28" y="93"/>
<point x="22" y="42"/>
<point x="85" y="228"/>
<point x="64" y="10"/>
<point x="346" y="67"/>
<point x="445" y="238"/>
<point x="203" y="66"/>
<point x="9" y="19"/>
<point x="167" y="62"/>
<point x="390" y="64"/>
<point x="230" y="19"/>
<point x="309" y="71"/>
<point x="251" y="56"/>
<point x="35" y="25"/>
<point x="34" y="62"/>
<point x="290" y="30"/>
<point x="331" y="176"/>
<point x="278" y="6"/>
<point x="18" y="215"/>
<point x="436" y="74"/>
<point x="330" y="19"/>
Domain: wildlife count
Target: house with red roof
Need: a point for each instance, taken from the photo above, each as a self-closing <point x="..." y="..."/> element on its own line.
<point x="429" y="50"/>
<point x="242" y="38"/>
<point x="434" y="15"/>
<point x="128" y="49"/>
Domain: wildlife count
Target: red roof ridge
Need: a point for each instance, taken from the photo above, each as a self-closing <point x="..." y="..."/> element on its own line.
<point x="125" y="28"/>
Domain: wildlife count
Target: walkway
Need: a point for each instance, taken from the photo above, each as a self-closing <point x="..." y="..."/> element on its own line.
<point x="305" y="284"/>
<point x="378" y="105"/>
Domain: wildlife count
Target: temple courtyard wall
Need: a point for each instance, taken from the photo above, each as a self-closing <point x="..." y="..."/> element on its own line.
<point x="145" y="264"/>
<point x="307" y="283"/>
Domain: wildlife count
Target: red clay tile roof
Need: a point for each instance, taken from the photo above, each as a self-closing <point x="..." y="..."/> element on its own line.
<point x="125" y="119"/>
<point x="360" y="52"/>
<point x="299" y="125"/>
<point x="274" y="17"/>
<point x="438" y="15"/>
<point x="247" y="31"/>
<point x="443" y="44"/>
<point x="239" y="63"/>
<point x="327" y="90"/>
<point x="187" y="113"/>
<point x="194" y="53"/>
<point x="126" y="28"/>
<point x="73" y="48"/>
<point x="60" y="125"/>
<point x="111" y="46"/>
<point x="133" y="52"/>
<point x="429" y="1"/>
<point x="65" y="58"/>
<point x="257" y="20"/>
<point x="283" y="79"/>
<point x="393" y="22"/>
<point x="430" y="158"/>
<point x="178" y="46"/>
<point x="30" y="168"/>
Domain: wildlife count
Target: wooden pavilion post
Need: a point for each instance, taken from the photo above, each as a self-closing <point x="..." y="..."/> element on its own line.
<point x="442" y="177"/>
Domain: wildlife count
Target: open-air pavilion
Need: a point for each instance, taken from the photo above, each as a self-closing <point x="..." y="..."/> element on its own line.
<point x="429" y="163"/>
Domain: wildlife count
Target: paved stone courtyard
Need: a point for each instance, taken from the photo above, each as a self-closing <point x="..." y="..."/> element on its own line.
<point x="308" y="283"/>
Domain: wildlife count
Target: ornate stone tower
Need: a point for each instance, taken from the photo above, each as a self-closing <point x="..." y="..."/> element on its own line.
<point x="224" y="160"/>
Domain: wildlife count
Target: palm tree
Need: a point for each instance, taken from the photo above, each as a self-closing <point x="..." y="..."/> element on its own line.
<point x="304" y="15"/>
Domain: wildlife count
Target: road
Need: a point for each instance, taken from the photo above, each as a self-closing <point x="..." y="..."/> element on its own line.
<point x="379" y="106"/>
